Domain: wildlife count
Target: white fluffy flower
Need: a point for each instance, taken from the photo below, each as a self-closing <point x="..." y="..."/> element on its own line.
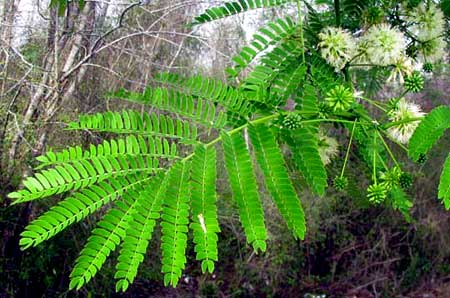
<point x="337" y="46"/>
<point x="383" y="45"/>
<point x="405" y="110"/>
<point x="427" y="21"/>
<point x="402" y="67"/>
<point x="328" y="148"/>
<point x="433" y="50"/>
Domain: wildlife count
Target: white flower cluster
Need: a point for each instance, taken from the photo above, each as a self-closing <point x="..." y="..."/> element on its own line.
<point x="337" y="46"/>
<point x="328" y="148"/>
<point x="427" y="21"/>
<point x="383" y="45"/>
<point x="380" y="45"/>
<point x="428" y="26"/>
<point x="404" y="111"/>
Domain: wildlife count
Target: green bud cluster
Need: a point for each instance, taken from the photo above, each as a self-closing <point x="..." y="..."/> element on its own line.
<point x="376" y="193"/>
<point x="292" y="121"/>
<point x="414" y="82"/>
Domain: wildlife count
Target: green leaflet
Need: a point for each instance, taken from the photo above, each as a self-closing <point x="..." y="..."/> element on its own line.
<point x="132" y="146"/>
<point x="139" y="233"/>
<point x="245" y="190"/>
<point x="175" y="220"/>
<point x="401" y="202"/>
<point x="307" y="102"/>
<point x="208" y="89"/>
<point x="429" y="131"/>
<point x="198" y="110"/>
<point x="132" y="122"/>
<point x="276" y="177"/>
<point x="265" y="83"/>
<point x="444" y="184"/>
<point x="268" y="35"/>
<point x="76" y="175"/>
<point x="305" y="150"/>
<point x="108" y="234"/>
<point x="232" y="8"/>
<point x="76" y="208"/>
<point x="205" y="225"/>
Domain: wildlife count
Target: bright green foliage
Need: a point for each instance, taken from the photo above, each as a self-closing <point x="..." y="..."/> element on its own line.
<point x="200" y="111"/>
<point x="401" y="202"/>
<point x="209" y="89"/>
<point x="245" y="190"/>
<point x="444" y="184"/>
<point x="80" y="174"/>
<point x="305" y="149"/>
<point x="308" y="101"/>
<point x="132" y="122"/>
<point x="269" y="73"/>
<point x="205" y="225"/>
<point x="276" y="178"/>
<point x="76" y="207"/>
<point x="232" y="8"/>
<point x="108" y="234"/>
<point x="174" y="225"/>
<point x="132" y="146"/>
<point x="269" y="35"/>
<point x="429" y="131"/>
<point x="139" y="232"/>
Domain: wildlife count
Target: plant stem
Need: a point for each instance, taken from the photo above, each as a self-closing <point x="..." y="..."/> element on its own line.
<point x="388" y="149"/>
<point x="265" y="119"/>
<point x="337" y="13"/>
<point x="374" y="103"/>
<point x="374" y="173"/>
<point x="403" y="121"/>
<point x="348" y="149"/>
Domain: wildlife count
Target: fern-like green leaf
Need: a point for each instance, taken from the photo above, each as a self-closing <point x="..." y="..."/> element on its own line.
<point x="208" y="89"/>
<point x="139" y="232"/>
<point x="204" y="224"/>
<point x="131" y="146"/>
<point x="232" y="8"/>
<point x="305" y="150"/>
<point x="175" y="220"/>
<point x="77" y="207"/>
<point x="430" y="129"/>
<point x="268" y="35"/>
<point x="263" y="77"/>
<point x="401" y="202"/>
<point x="108" y="234"/>
<point x="276" y="177"/>
<point x="444" y="184"/>
<point x="245" y="190"/>
<point x="132" y="122"/>
<point x="80" y="174"/>
<point x="198" y="110"/>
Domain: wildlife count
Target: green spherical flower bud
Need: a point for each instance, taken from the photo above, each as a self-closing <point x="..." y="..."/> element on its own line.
<point x="391" y="177"/>
<point x="292" y="121"/>
<point x="428" y="67"/>
<point x="340" y="98"/>
<point x="376" y="193"/>
<point x="414" y="82"/>
<point x="324" y="110"/>
<point x="340" y="183"/>
<point x="422" y="158"/>
<point x="405" y="180"/>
